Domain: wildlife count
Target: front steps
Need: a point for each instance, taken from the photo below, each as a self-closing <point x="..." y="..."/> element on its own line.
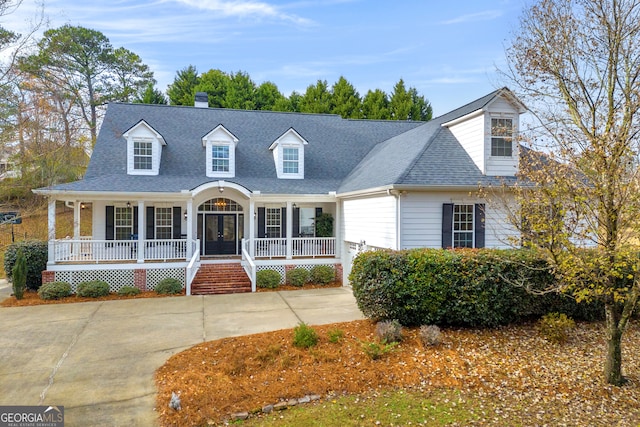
<point x="228" y="278"/>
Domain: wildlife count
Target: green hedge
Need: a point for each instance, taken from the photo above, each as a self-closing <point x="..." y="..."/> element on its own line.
<point x="461" y="287"/>
<point x="93" y="289"/>
<point x="36" y="253"/>
<point x="54" y="290"/>
<point x="269" y="279"/>
<point x="169" y="286"/>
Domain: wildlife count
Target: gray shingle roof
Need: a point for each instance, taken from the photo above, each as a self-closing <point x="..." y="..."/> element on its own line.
<point x="341" y="155"/>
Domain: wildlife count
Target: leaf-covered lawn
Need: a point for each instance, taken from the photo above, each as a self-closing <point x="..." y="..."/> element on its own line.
<point x="524" y="379"/>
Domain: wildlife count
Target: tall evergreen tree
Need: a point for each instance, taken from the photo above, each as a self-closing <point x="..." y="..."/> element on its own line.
<point x="150" y="95"/>
<point x="400" y="104"/>
<point x="182" y="90"/>
<point x="345" y="100"/>
<point x="317" y="99"/>
<point x="375" y="105"/>
<point x="216" y="84"/>
<point x="268" y="97"/>
<point x="241" y="92"/>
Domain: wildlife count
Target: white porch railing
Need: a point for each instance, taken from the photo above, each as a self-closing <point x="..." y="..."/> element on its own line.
<point x="303" y="247"/>
<point x="193" y="266"/>
<point x="248" y="264"/>
<point x="68" y="250"/>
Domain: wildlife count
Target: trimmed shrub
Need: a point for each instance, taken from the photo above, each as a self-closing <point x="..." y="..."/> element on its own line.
<point x="556" y="327"/>
<point x="169" y="286"/>
<point x="376" y="350"/>
<point x="304" y="336"/>
<point x="430" y="335"/>
<point x="269" y="279"/>
<point x="297" y="276"/>
<point x="335" y="335"/>
<point x="458" y="287"/>
<point x="54" y="290"/>
<point x="389" y="331"/>
<point x="322" y="274"/>
<point x="128" y="291"/>
<point x="36" y="254"/>
<point x="19" y="275"/>
<point x="93" y="289"/>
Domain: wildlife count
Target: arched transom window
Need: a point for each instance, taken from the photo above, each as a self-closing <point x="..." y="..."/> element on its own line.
<point x="220" y="205"/>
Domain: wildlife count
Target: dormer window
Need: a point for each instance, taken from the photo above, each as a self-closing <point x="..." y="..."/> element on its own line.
<point x="144" y="149"/>
<point x="220" y="146"/>
<point x="288" y="155"/>
<point x="501" y="137"/>
<point x="142" y="154"/>
<point x="290" y="159"/>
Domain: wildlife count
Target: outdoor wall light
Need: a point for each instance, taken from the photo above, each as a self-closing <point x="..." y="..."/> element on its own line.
<point x="128" y="204"/>
<point x="185" y="215"/>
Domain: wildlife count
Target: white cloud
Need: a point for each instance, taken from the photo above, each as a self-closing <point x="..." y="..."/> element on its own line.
<point x="245" y="8"/>
<point x="487" y="15"/>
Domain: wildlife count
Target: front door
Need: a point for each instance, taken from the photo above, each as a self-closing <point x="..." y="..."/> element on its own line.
<point x="220" y="234"/>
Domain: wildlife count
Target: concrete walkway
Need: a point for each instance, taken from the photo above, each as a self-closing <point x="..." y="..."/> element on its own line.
<point x="98" y="359"/>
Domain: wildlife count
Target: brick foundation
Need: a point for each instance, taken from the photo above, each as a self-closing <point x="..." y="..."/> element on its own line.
<point x="48" y="276"/>
<point x="140" y="279"/>
<point x="338" y="268"/>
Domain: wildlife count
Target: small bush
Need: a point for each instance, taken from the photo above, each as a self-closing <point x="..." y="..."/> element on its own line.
<point x="19" y="275"/>
<point x="322" y="274"/>
<point x="304" y="336"/>
<point x="54" y="290"/>
<point x="430" y="335"/>
<point x="389" y="331"/>
<point x="169" y="286"/>
<point x="128" y="291"/>
<point x="269" y="279"/>
<point x="36" y="253"/>
<point x="297" y="276"/>
<point x="556" y="327"/>
<point x="93" y="289"/>
<point x="376" y="350"/>
<point x="335" y="335"/>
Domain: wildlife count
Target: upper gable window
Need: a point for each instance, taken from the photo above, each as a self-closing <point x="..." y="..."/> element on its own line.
<point x="288" y="154"/>
<point x="144" y="149"/>
<point x="220" y="146"/>
<point x="501" y="137"/>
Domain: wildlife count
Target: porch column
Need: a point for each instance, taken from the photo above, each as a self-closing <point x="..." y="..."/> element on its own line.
<point x="252" y="228"/>
<point x="142" y="228"/>
<point x="51" y="229"/>
<point x="289" y="230"/>
<point x="190" y="238"/>
<point x="338" y="229"/>
<point x="76" y="220"/>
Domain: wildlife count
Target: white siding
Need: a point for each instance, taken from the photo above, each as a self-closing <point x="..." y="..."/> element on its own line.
<point x="372" y="220"/>
<point x="470" y="134"/>
<point x="421" y="215"/>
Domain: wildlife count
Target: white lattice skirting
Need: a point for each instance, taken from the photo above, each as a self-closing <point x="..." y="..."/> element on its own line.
<point x="119" y="278"/>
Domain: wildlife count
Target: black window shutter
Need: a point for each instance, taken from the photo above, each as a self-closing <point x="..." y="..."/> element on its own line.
<point x="109" y="231"/>
<point x="447" y="225"/>
<point x="479" y="225"/>
<point x="318" y="212"/>
<point x="135" y="220"/>
<point x="262" y="224"/>
<point x="296" y="223"/>
<point x="177" y="223"/>
<point x="283" y="223"/>
<point x="151" y="222"/>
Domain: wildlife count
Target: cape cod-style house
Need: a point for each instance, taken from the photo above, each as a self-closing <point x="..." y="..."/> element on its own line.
<point x="191" y="192"/>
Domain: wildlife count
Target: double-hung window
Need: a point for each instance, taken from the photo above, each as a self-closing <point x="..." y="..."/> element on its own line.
<point x="164" y="223"/>
<point x="290" y="160"/>
<point x="273" y="222"/>
<point x="501" y="137"/>
<point x="123" y="223"/>
<point x="463" y="226"/>
<point x="142" y="155"/>
<point x="220" y="158"/>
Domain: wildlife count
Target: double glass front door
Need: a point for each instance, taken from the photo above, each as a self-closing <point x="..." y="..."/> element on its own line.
<point x="219" y="235"/>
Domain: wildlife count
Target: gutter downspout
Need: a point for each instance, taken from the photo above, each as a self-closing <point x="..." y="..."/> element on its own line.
<point x="396" y="195"/>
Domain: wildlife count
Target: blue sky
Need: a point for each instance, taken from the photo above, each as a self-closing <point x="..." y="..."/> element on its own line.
<point x="448" y="50"/>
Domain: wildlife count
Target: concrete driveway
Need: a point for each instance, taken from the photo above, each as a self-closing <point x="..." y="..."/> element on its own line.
<point x="97" y="359"/>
